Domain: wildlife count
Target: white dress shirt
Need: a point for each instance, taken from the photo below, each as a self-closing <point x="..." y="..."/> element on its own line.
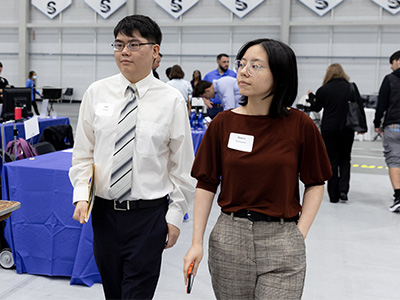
<point x="183" y="86"/>
<point x="163" y="149"/>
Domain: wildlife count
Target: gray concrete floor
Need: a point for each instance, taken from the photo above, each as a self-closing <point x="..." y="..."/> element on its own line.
<point x="351" y="249"/>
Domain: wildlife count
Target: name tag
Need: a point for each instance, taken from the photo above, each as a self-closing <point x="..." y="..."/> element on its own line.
<point x="105" y="109"/>
<point x="241" y="142"/>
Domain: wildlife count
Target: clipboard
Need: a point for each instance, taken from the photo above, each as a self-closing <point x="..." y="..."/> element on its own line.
<point x="92" y="194"/>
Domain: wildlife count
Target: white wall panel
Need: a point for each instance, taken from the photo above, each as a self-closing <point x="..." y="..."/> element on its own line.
<point x="310" y="41"/>
<point x="9" y="12"/>
<point x="44" y="40"/>
<point x="78" y="41"/>
<point x="363" y="41"/>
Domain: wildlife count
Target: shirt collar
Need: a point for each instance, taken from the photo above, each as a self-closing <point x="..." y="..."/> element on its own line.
<point x="140" y="87"/>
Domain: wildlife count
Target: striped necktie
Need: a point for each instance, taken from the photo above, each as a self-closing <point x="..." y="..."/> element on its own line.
<point x="121" y="172"/>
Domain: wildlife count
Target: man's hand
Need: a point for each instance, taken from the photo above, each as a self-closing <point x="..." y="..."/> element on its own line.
<point x="173" y="234"/>
<point x="80" y="211"/>
<point x="208" y="103"/>
<point x="378" y="130"/>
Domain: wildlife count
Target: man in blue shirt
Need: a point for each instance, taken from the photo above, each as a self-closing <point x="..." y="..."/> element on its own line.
<point x="214" y="105"/>
<point x="225" y="88"/>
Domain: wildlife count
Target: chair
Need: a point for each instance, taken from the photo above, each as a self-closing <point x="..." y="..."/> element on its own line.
<point x="60" y="136"/>
<point x="43" y="148"/>
<point x="68" y="94"/>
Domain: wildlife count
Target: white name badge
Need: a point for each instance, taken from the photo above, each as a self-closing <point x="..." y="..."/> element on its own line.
<point x="241" y="142"/>
<point x="105" y="109"/>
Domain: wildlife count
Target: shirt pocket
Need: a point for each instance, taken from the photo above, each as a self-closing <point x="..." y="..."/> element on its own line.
<point x="151" y="138"/>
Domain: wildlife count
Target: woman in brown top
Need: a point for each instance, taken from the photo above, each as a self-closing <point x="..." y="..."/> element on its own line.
<point x="258" y="152"/>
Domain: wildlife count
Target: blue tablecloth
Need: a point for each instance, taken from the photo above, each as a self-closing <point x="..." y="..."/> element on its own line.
<point x="43" y="123"/>
<point x="197" y="136"/>
<point x="42" y="234"/>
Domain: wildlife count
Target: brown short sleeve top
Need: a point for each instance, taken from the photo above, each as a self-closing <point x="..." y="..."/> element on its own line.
<point x="266" y="179"/>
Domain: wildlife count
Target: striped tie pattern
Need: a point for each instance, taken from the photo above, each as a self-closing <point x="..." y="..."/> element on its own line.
<point x="121" y="172"/>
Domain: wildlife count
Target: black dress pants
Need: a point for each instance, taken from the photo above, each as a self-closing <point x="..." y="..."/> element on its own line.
<point x="34" y="105"/>
<point x="338" y="145"/>
<point x="128" y="246"/>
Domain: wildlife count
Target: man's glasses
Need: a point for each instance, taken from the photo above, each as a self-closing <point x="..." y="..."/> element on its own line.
<point x="251" y="67"/>
<point x="132" y="46"/>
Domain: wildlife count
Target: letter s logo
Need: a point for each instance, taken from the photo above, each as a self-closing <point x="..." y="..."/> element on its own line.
<point x="104" y="7"/>
<point x="320" y="4"/>
<point x="394" y="4"/>
<point x="51" y="10"/>
<point x="176" y="7"/>
<point x="240" y="5"/>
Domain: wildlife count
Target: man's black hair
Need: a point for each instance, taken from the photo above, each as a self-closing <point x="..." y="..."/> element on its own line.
<point x="395" y="56"/>
<point x="222" y="55"/>
<point x="143" y="24"/>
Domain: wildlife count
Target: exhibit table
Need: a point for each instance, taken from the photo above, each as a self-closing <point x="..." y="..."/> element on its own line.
<point x="43" y="123"/>
<point x="42" y="234"/>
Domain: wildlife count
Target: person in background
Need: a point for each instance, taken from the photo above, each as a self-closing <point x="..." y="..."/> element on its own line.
<point x="389" y="107"/>
<point x="258" y="152"/>
<point x="183" y="86"/>
<point x="196" y="77"/>
<point x="214" y="105"/>
<point x="226" y="88"/>
<point x="31" y="83"/>
<point x="156" y="64"/>
<point x="3" y="83"/>
<point x="142" y="197"/>
<point x="167" y="72"/>
<point x="333" y="97"/>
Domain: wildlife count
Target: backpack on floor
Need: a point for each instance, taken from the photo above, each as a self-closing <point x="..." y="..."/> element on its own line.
<point x="24" y="149"/>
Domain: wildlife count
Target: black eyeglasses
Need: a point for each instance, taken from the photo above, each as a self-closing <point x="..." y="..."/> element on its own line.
<point x="132" y="46"/>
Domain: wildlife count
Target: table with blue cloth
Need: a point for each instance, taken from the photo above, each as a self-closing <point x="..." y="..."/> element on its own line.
<point x="197" y="136"/>
<point x="43" y="123"/>
<point x="42" y="235"/>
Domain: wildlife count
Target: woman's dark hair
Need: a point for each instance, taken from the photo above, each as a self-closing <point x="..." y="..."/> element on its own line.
<point x="283" y="65"/>
<point x="143" y="24"/>
<point x="31" y="74"/>
<point x="176" y="72"/>
<point x="168" y="72"/>
<point x="195" y="72"/>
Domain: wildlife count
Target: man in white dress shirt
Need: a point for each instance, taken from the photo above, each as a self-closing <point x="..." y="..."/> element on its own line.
<point x="130" y="234"/>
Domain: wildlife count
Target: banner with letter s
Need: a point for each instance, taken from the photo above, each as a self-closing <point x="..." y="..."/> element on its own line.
<point x="51" y="8"/>
<point x="105" y="8"/>
<point x="392" y="6"/>
<point x="176" y="8"/>
<point x="241" y="7"/>
<point x="321" y="7"/>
